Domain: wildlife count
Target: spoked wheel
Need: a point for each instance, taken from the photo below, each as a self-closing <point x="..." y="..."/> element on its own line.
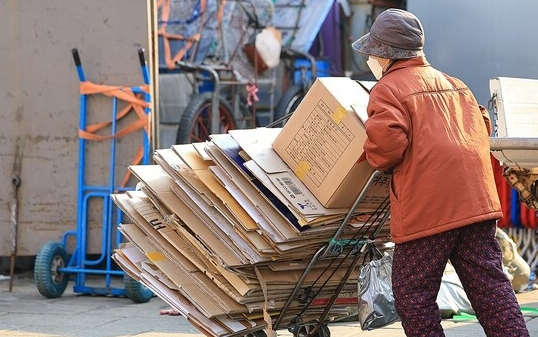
<point x="306" y="330"/>
<point x="288" y="102"/>
<point x="136" y="291"/>
<point x="50" y="281"/>
<point x="195" y="123"/>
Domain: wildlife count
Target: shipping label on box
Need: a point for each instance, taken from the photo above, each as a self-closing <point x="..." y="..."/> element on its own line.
<point x="323" y="140"/>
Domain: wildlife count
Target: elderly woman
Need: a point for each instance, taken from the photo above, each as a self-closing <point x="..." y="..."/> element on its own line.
<point x="428" y="130"/>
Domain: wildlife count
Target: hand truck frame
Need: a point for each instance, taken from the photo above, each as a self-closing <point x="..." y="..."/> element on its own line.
<point x="54" y="266"/>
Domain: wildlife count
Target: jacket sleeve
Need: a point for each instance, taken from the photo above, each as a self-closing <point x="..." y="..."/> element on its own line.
<point x="387" y="129"/>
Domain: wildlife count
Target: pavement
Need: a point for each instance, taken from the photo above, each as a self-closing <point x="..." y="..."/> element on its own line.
<point x="24" y="312"/>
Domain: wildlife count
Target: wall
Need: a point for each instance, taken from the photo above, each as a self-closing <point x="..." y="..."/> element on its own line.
<point x="39" y="96"/>
<point x="478" y="40"/>
<point x="473" y="40"/>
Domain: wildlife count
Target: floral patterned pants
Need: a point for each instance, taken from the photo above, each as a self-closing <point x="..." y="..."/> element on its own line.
<point x="417" y="270"/>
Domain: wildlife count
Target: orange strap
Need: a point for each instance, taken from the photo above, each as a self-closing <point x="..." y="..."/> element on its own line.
<point x="134" y="103"/>
<point x="137" y="160"/>
<point x="168" y="59"/>
<point x="126" y="94"/>
<point x="220" y="14"/>
<point x="123" y="93"/>
<point x="190" y="40"/>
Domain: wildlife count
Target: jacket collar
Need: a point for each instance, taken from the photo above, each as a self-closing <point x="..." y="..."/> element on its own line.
<point x="419" y="61"/>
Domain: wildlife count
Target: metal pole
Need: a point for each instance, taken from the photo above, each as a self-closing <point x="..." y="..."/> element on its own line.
<point x="505" y="143"/>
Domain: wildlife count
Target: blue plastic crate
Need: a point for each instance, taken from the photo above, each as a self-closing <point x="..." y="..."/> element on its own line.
<point x="322" y="69"/>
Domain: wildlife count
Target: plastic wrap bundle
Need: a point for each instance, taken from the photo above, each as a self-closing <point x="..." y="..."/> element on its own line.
<point x="376" y="301"/>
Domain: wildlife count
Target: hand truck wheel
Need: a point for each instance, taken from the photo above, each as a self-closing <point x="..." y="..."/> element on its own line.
<point x="50" y="281"/>
<point x="306" y="330"/>
<point x="136" y="291"/>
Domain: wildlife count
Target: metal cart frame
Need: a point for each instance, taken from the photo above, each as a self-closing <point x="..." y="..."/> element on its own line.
<point x="353" y="248"/>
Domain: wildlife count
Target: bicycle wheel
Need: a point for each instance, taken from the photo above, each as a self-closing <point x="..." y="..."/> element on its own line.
<point x="195" y="123"/>
<point x="288" y="102"/>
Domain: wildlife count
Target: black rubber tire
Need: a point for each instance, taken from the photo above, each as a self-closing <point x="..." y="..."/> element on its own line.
<point x="49" y="281"/>
<point x="305" y="330"/>
<point x="195" y="123"/>
<point x="136" y="291"/>
<point x="288" y="102"/>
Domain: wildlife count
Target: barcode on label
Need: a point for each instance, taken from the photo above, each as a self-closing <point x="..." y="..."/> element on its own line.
<point x="289" y="183"/>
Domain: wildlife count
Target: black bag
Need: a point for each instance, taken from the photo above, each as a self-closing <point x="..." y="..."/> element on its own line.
<point x="376" y="301"/>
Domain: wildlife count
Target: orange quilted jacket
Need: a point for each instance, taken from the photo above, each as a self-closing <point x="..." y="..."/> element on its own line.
<point x="428" y="129"/>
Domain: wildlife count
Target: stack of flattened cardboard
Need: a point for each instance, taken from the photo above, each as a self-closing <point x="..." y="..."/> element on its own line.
<point x="225" y="231"/>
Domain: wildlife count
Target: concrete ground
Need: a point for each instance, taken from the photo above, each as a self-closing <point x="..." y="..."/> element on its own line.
<point x="26" y="313"/>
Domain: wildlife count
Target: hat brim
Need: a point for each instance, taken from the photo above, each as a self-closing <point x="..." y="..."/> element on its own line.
<point x="368" y="46"/>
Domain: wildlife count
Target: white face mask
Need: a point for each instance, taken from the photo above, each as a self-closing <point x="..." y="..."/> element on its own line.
<point x="375" y="67"/>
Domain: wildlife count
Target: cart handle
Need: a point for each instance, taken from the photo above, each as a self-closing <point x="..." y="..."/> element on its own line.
<point x="143" y="65"/>
<point x="78" y="64"/>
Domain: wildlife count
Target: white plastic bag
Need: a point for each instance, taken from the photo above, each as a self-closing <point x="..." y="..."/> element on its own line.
<point x="264" y="51"/>
<point x="269" y="46"/>
<point x="452" y="299"/>
<point x="376" y="301"/>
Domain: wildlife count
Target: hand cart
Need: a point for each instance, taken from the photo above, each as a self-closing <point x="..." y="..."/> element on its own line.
<point x="224" y="83"/>
<point x="337" y="250"/>
<point x="53" y="265"/>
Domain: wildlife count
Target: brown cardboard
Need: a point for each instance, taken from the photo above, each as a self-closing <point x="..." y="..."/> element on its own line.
<point x="192" y="281"/>
<point x="139" y="208"/>
<point x="270" y="170"/>
<point x="157" y="281"/>
<point x="207" y="185"/>
<point x="276" y="226"/>
<point x="187" y="249"/>
<point x="161" y="184"/>
<point x="323" y="141"/>
<point x="169" y="161"/>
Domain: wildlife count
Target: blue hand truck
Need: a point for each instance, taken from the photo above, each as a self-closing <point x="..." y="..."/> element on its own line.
<point x="54" y="267"/>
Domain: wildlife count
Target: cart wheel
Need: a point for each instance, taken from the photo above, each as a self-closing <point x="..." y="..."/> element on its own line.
<point x="260" y="333"/>
<point x="195" y="123"/>
<point x="288" y="102"/>
<point x="136" y="291"/>
<point x="305" y="331"/>
<point x="50" y="282"/>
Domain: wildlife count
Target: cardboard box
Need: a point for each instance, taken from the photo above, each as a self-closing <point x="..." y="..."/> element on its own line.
<point x="322" y="142"/>
<point x="516" y="123"/>
<point x="516" y="104"/>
